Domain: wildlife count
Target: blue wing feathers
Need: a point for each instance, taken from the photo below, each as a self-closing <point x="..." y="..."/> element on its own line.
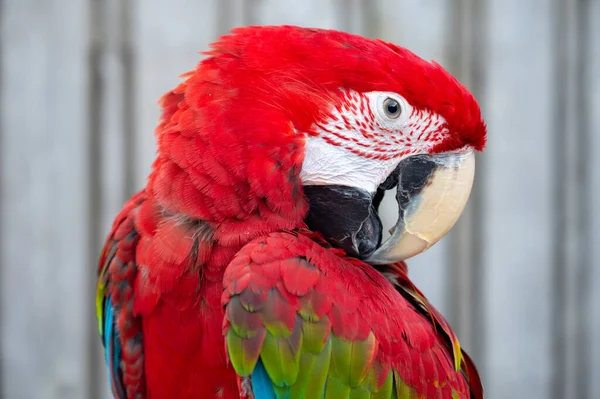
<point x="108" y="331"/>
<point x="112" y="349"/>
<point x="261" y="383"/>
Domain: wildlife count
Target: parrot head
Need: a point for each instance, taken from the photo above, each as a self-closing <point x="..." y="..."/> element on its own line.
<point x="307" y="125"/>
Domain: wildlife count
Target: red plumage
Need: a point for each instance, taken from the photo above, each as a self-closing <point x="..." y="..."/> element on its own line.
<point x="230" y="150"/>
<point x="356" y="299"/>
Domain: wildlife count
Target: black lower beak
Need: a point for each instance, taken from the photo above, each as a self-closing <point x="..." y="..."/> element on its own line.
<point x="347" y="217"/>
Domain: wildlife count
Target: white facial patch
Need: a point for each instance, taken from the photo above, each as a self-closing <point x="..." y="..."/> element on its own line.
<point x="362" y="143"/>
<point x="327" y="164"/>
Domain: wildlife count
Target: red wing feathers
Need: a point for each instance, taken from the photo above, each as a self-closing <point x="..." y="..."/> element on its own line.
<point x="284" y="281"/>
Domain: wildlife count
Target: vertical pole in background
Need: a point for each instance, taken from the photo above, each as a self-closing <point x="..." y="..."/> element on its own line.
<point x="354" y="15"/>
<point x="1" y="178"/>
<point x="223" y="13"/>
<point x="344" y="11"/>
<point x="94" y="181"/>
<point x="559" y="292"/>
<point x="591" y="12"/>
<point x="371" y="18"/>
<point x="249" y="14"/>
<point x="233" y="13"/>
<point x="584" y="205"/>
<point x="127" y="53"/>
<point x="465" y="42"/>
<point x="111" y="145"/>
<point x="563" y="361"/>
<point x="572" y="252"/>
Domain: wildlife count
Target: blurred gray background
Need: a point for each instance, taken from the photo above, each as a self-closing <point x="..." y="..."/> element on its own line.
<point x="517" y="278"/>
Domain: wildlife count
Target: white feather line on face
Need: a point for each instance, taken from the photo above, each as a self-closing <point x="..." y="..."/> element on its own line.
<point x="329" y="164"/>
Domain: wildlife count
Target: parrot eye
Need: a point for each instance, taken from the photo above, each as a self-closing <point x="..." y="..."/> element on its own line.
<point x="391" y="108"/>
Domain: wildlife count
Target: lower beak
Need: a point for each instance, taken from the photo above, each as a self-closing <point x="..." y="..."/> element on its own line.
<point x="346" y="217"/>
<point x="431" y="191"/>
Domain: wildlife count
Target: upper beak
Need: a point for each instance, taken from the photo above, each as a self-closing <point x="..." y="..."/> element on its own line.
<point x="431" y="191"/>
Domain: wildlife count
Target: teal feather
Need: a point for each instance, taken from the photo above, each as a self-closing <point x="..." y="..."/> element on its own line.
<point x="261" y="383"/>
<point x="112" y="350"/>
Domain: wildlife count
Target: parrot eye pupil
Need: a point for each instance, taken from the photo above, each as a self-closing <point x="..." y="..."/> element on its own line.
<point x="392" y="108"/>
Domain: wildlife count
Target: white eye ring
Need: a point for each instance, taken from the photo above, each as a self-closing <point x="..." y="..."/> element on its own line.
<point x="392" y="108"/>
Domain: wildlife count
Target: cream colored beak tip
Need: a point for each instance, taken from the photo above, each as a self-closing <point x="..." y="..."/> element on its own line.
<point x="433" y="211"/>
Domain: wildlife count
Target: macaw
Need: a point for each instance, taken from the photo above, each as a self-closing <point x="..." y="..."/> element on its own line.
<point x="253" y="263"/>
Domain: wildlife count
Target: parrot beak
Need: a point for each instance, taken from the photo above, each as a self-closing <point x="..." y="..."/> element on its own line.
<point x="432" y="191"/>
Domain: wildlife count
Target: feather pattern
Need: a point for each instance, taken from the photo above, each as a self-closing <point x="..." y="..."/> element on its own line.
<point x="337" y="329"/>
<point x="118" y="327"/>
<point x="397" y="274"/>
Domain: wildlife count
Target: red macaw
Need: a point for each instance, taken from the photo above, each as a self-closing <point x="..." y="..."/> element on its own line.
<point x="252" y="264"/>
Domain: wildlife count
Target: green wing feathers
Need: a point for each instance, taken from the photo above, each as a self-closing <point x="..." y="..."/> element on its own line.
<point x="306" y="360"/>
<point x="305" y="329"/>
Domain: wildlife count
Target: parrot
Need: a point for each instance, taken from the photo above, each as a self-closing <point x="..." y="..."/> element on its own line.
<point x="254" y="264"/>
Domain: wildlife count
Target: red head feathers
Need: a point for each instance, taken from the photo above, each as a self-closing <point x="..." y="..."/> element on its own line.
<point x="231" y="139"/>
<point x="311" y="62"/>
